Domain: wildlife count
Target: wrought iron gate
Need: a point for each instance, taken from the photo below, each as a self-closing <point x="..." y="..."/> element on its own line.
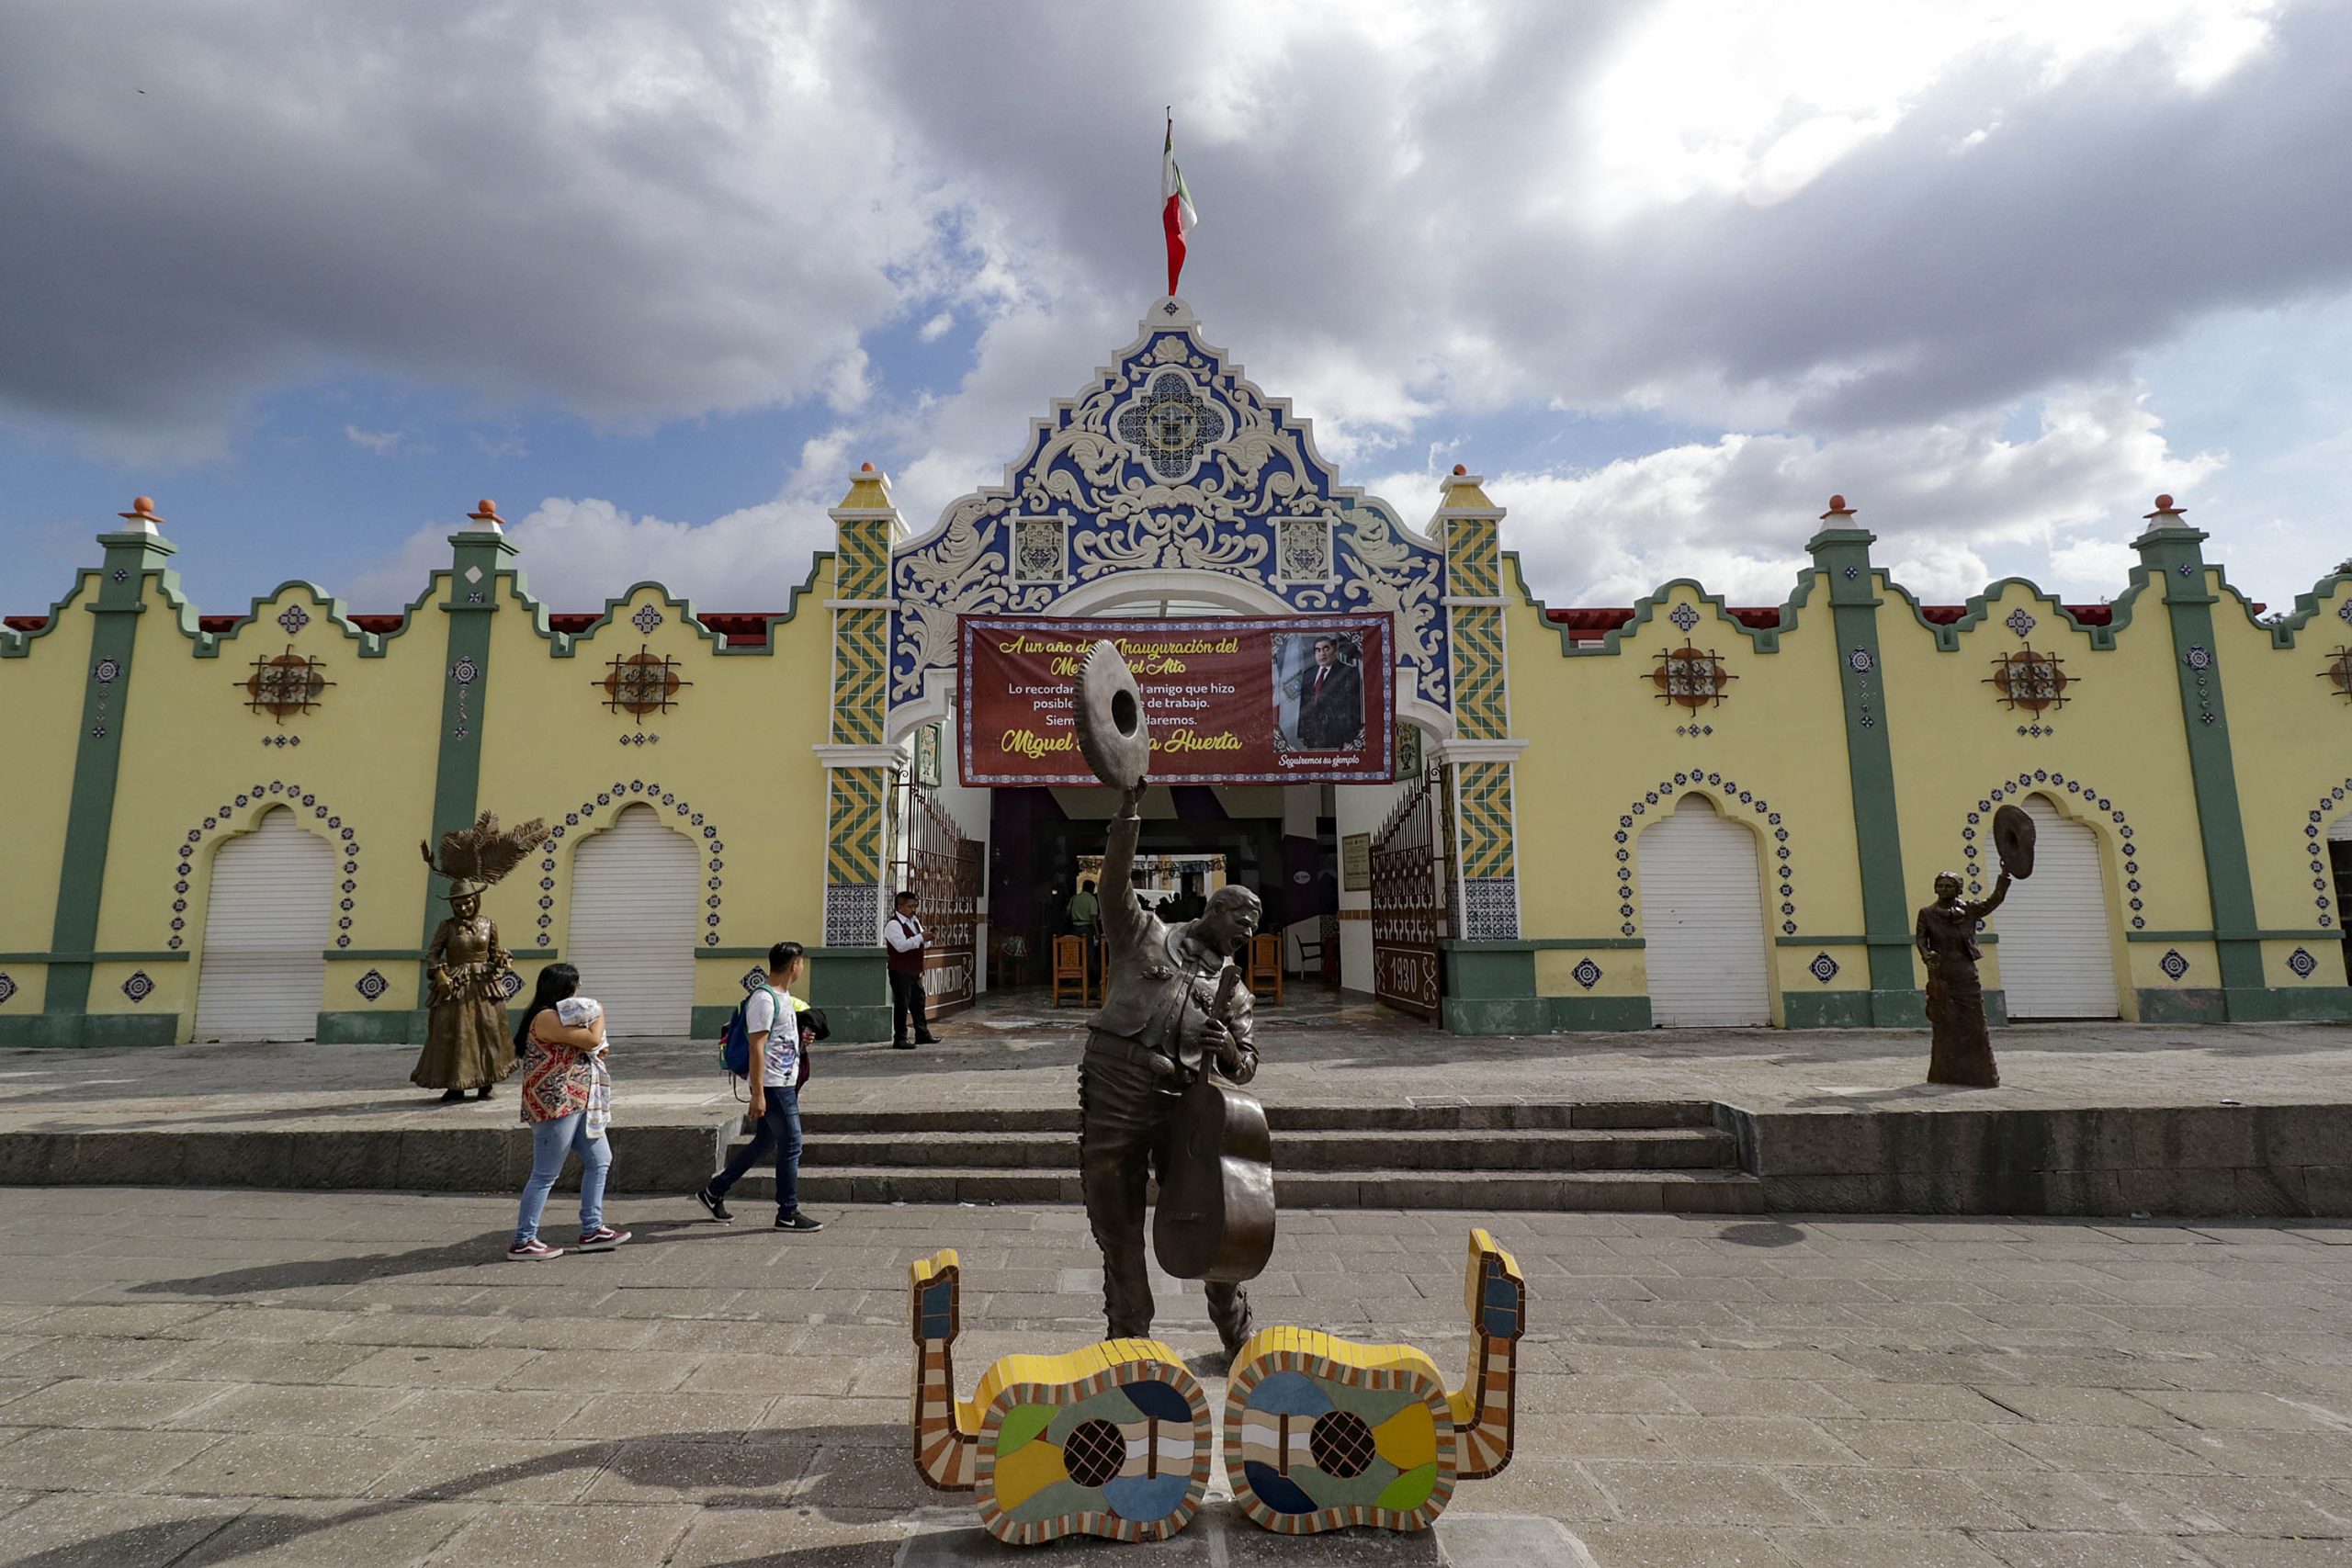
<point x="1408" y="899"/>
<point x="944" y="869"/>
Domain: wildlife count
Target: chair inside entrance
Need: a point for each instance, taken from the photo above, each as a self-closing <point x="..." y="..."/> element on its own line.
<point x="1266" y="971"/>
<point x="1073" y="978"/>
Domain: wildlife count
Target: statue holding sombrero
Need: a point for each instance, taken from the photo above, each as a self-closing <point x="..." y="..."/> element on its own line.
<point x="1945" y="934"/>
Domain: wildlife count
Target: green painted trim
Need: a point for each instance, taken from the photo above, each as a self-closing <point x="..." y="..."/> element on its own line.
<point x="1826" y="1009"/>
<point x="1979" y="605"/>
<point x="392" y="1026"/>
<point x="1761" y="639"/>
<point x="371" y="645"/>
<point x="15" y="644"/>
<point x="126" y="956"/>
<point x="759" y="953"/>
<point x="854" y="1023"/>
<point x="1577" y="1015"/>
<point x="2175" y="553"/>
<point x="402" y="954"/>
<point x="1476" y="972"/>
<point x="2184" y="1004"/>
<point x="465" y="710"/>
<point x="1495" y="1015"/>
<point x="1905" y="941"/>
<point x="68" y="1031"/>
<point x="2284" y="626"/>
<point x="2282" y="1004"/>
<point x="1540" y="944"/>
<point x="565" y="645"/>
<point x="1842" y="558"/>
<point x="98" y="761"/>
<point x="2234" y="936"/>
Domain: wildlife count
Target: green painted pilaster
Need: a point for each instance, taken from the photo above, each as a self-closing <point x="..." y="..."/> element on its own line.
<point x="1841" y="555"/>
<point x="2172" y="551"/>
<point x="479" y="554"/>
<point x="89" y="823"/>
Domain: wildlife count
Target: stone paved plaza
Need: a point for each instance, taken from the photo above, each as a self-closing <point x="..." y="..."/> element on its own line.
<point x="198" y="1377"/>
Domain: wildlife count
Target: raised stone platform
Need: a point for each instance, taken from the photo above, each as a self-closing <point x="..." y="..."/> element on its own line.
<point x="1371" y="1109"/>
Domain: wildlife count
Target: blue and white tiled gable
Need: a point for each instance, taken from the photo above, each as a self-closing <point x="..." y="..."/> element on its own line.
<point x="1170" y="462"/>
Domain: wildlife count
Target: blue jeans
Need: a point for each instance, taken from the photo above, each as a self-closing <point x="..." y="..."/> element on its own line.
<point x="779" y="1129"/>
<point x="550" y="1142"/>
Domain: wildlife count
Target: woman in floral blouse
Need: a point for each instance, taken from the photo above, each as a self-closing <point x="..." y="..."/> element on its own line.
<point x="559" y="1069"/>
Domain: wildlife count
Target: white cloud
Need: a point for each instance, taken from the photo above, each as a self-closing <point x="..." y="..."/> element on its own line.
<point x="938" y="327"/>
<point x="383" y="442"/>
<point x="576" y="554"/>
<point x="1951" y="504"/>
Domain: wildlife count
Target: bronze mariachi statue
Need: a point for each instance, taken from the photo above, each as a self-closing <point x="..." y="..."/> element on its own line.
<point x="466" y="1044"/>
<point x="1945" y="933"/>
<point x="1174" y="1021"/>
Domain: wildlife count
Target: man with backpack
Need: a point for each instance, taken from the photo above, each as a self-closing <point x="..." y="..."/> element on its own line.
<point x="766" y="1043"/>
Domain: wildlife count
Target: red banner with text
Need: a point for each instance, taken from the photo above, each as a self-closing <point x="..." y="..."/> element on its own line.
<point x="1230" y="699"/>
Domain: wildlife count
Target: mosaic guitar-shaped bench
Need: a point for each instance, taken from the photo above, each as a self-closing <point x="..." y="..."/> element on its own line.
<point x="1114" y="1439"/>
<point x="1111" y="1440"/>
<point x="1321" y="1432"/>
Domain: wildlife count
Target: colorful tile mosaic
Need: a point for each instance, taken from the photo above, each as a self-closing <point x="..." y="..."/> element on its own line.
<point x="2174" y="963"/>
<point x="2302" y="963"/>
<point x="372" y="986"/>
<point x="1323" y="1434"/>
<point x="248" y="807"/>
<point x="1823" y="969"/>
<point x="139" y="987"/>
<point x="1112" y="1440"/>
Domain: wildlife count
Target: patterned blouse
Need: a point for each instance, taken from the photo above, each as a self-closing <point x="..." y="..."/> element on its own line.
<point x="558" y="1079"/>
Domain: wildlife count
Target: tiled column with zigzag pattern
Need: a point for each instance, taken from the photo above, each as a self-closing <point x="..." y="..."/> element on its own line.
<point x="1486" y="880"/>
<point x="858" y="783"/>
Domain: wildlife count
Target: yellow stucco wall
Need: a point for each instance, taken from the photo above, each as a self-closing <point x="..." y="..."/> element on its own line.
<point x="2118" y="737"/>
<point x="41" y="692"/>
<point x="2292" y="754"/>
<point x="1601" y="746"/>
<point x="737" y="749"/>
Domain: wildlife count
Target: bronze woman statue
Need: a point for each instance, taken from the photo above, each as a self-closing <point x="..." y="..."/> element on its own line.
<point x="466" y="1046"/>
<point x="465" y="1043"/>
<point x="1946" y="936"/>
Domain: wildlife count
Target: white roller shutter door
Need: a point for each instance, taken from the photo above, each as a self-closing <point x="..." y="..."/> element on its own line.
<point x="266" y="925"/>
<point x="1703" y="921"/>
<point x="2057" y="959"/>
<point x="636" y="894"/>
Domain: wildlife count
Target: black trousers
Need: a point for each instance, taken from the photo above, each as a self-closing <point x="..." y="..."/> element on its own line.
<point x="905" y="998"/>
<point x="1126" y="1121"/>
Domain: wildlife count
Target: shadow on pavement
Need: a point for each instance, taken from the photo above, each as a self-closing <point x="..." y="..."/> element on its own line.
<point x="486" y="1248"/>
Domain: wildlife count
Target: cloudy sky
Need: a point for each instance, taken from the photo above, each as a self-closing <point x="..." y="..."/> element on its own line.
<point x="657" y="277"/>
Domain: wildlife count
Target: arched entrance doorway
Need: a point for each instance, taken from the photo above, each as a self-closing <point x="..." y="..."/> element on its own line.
<point x="1702" y="920"/>
<point x="2057" y="953"/>
<point x="267" y="923"/>
<point x="635" y="902"/>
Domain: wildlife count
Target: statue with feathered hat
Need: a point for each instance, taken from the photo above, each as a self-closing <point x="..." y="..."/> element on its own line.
<point x="466" y="1044"/>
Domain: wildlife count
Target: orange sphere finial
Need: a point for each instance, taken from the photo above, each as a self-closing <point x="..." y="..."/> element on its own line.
<point x="865" y="468"/>
<point x="486" y="511"/>
<point x="2164" y="504"/>
<point x="1461" y="468"/>
<point x="143" y="510"/>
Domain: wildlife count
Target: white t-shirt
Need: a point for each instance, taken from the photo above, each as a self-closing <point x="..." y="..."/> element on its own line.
<point x="782" y="1055"/>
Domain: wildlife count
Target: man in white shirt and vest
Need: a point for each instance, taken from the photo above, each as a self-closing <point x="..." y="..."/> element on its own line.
<point x="902" y="933"/>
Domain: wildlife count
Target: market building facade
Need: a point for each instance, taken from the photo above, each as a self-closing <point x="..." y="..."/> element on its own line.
<point x="1678" y="813"/>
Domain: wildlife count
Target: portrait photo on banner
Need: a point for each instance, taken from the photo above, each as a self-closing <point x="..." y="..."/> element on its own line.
<point x="1318" y="685"/>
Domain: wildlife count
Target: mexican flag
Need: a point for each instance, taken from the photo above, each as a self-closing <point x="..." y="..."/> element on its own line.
<point x="1176" y="212"/>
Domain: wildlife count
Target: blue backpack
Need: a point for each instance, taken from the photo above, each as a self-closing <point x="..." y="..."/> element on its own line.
<point x="735" y="1045"/>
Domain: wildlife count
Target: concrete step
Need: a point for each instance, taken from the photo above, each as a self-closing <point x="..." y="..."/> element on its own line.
<point x="1443" y="1113"/>
<point x="1306" y="1151"/>
<point x="1650" y="1192"/>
